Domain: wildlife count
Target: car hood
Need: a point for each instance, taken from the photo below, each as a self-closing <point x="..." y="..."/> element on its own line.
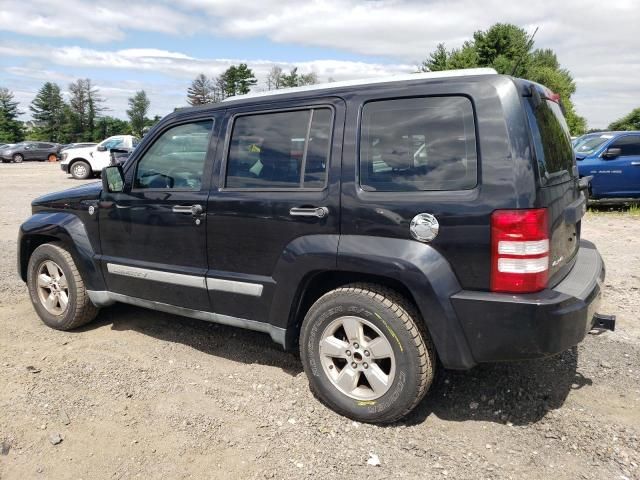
<point x="82" y="152"/>
<point x="67" y="198"/>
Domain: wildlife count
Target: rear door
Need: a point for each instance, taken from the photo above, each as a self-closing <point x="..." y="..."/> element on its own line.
<point x="558" y="180"/>
<point x="279" y="185"/>
<point x="619" y="176"/>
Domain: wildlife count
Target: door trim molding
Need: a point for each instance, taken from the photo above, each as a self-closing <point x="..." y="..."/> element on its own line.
<point x="194" y="281"/>
<point x="106" y="298"/>
<point x="233" y="286"/>
<point x="157" y="275"/>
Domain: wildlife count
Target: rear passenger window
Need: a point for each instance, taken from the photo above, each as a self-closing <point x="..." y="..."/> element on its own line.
<point x="418" y="144"/>
<point x="280" y="150"/>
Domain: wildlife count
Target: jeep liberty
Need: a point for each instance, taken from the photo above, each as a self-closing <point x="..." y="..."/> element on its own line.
<point x="381" y="228"/>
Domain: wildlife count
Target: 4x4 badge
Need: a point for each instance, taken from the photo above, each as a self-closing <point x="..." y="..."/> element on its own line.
<point x="424" y="227"/>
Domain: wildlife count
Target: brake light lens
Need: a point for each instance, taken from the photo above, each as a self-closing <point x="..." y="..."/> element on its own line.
<point x="519" y="250"/>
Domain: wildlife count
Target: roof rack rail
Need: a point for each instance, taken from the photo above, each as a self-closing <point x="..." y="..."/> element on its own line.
<point x="466" y="72"/>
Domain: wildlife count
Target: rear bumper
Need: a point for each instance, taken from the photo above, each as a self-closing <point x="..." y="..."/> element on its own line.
<point x="513" y="327"/>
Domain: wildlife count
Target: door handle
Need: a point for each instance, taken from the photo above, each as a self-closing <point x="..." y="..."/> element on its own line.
<point x="319" y="212"/>
<point x="194" y="210"/>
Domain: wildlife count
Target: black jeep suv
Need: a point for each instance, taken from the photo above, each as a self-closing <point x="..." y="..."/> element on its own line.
<point x="381" y="227"/>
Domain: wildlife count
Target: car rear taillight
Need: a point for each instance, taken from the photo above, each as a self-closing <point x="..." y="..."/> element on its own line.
<point x="519" y="250"/>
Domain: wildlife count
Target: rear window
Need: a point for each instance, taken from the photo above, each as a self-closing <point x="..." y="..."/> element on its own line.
<point x="418" y="144"/>
<point x="552" y="143"/>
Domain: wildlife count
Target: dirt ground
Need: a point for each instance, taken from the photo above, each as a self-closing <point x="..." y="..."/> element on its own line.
<point x="140" y="394"/>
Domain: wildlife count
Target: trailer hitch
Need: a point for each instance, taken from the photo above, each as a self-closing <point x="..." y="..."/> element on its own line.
<point x="604" y="322"/>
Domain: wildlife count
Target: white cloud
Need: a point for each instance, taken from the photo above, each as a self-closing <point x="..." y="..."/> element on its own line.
<point x="596" y="43"/>
<point x="178" y="67"/>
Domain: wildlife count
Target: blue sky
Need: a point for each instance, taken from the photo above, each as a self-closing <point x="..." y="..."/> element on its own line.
<point x="159" y="46"/>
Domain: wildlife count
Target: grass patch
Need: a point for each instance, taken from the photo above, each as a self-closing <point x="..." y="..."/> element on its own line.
<point x="614" y="208"/>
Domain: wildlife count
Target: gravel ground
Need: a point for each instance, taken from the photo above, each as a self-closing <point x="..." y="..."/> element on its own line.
<point x="145" y="394"/>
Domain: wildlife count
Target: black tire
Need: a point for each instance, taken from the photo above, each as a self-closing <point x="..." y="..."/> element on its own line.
<point x="399" y="322"/>
<point x="18" y="158"/>
<point x="79" y="310"/>
<point x="80" y="170"/>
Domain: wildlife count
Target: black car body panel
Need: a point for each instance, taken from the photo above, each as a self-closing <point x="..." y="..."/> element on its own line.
<point x="242" y="258"/>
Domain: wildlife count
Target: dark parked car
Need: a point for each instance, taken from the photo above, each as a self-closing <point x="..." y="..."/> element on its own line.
<point x="381" y="228"/>
<point x="30" y="151"/>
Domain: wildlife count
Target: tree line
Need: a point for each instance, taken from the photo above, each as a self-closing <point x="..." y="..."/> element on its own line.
<point x="80" y="119"/>
<point x="239" y="79"/>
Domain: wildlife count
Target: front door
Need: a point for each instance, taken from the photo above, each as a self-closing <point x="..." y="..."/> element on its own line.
<point x="153" y="235"/>
<point x="277" y="201"/>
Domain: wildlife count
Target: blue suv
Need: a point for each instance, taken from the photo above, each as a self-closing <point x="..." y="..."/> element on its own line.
<point x="613" y="160"/>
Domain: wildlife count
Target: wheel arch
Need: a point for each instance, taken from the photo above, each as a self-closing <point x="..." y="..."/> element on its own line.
<point x="64" y="228"/>
<point x="415" y="270"/>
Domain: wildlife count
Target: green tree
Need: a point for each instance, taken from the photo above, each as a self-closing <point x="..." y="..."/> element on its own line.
<point x="137" y="112"/>
<point x="48" y="112"/>
<point x="85" y="106"/>
<point x="508" y="49"/>
<point x="108" y="126"/>
<point x="201" y="91"/>
<point x="631" y="121"/>
<point x="11" y="130"/>
<point x="237" y="80"/>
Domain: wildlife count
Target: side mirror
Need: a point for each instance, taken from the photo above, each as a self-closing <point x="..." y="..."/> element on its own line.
<point x="113" y="179"/>
<point x="612" y="152"/>
<point x="102" y="148"/>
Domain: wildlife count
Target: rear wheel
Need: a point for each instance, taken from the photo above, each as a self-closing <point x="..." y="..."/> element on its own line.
<point x="56" y="289"/>
<point x="366" y="353"/>
<point x="80" y="170"/>
<point x="18" y="158"/>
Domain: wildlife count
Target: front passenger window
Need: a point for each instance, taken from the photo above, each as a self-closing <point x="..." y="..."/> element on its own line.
<point x="176" y="158"/>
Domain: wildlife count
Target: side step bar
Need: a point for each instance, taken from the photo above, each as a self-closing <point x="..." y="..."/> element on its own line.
<point x="604" y="322"/>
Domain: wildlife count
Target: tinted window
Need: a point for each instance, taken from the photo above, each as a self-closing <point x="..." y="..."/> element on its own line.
<point x="44" y="145"/>
<point x="418" y="144"/>
<point x="176" y="159"/>
<point x="551" y="139"/>
<point x="628" y="145"/>
<point x="280" y="150"/>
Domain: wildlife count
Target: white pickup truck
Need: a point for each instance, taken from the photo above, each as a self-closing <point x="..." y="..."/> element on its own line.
<point x="86" y="162"/>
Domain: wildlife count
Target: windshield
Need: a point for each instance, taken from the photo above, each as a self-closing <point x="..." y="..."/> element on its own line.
<point x="590" y="144"/>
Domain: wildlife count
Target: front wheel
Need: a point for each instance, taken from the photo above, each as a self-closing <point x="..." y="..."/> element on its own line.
<point x="366" y="353"/>
<point x="18" y="158"/>
<point x="80" y="170"/>
<point x="56" y="289"/>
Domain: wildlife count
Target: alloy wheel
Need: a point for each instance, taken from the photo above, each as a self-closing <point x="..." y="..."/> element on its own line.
<point x="357" y="358"/>
<point x="53" y="288"/>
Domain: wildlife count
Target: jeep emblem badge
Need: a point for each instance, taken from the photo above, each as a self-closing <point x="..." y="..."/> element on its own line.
<point x="424" y="227"/>
<point x="92" y="210"/>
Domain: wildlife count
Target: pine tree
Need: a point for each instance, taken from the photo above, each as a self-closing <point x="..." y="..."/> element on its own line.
<point x="86" y="105"/>
<point x="48" y="112"/>
<point x="201" y="91"/>
<point x="138" y="109"/>
<point x="237" y="80"/>
<point x="11" y="130"/>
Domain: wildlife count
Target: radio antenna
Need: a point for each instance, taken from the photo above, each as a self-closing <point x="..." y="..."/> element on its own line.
<point x="529" y="45"/>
